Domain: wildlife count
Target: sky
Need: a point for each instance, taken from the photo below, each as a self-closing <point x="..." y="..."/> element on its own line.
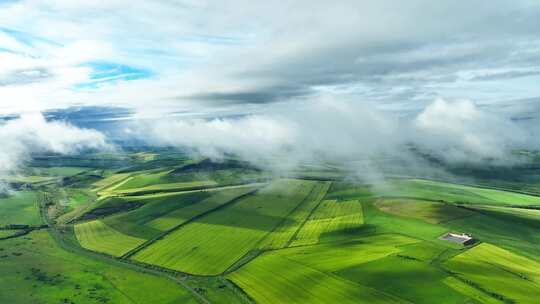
<point x="459" y="78"/>
<point x="192" y="58"/>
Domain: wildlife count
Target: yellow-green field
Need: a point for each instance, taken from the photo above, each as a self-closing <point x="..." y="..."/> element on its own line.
<point x="97" y="236"/>
<point x="20" y="208"/>
<point x="330" y="216"/>
<point x="274" y="279"/>
<point x="182" y="215"/>
<point x="431" y="212"/>
<point x="212" y="243"/>
<point x="501" y="273"/>
<point x="283" y="234"/>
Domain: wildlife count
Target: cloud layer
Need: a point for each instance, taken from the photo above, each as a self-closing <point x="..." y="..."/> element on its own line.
<point x="31" y="133"/>
<point x="341" y="130"/>
<point x="204" y="57"/>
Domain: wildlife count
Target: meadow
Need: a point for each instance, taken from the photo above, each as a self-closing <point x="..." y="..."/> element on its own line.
<point x="209" y="245"/>
<point x="122" y="226"/>
<point x="498" y="272"/>
<point x="330" y="216"/>
<point x="97" y="236"/>
<point x="273" y="279"/>
<point x="35" y="270"/>
<point x="20" y="208"/>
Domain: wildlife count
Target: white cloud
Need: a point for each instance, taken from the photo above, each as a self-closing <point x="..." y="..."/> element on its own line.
<point x="32" y="133"/>
<point x="198" y="47"/>
<point x="461" y="131"/>
<point x="342" y="130"/>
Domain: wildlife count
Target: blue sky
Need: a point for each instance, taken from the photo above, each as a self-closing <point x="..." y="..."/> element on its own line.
<point x="235" y="57"/>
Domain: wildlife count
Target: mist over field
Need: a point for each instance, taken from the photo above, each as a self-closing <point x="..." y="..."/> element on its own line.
<point x="31" y="133"/>
<point x="262" y="152"/>
<point x="340" y="130"/>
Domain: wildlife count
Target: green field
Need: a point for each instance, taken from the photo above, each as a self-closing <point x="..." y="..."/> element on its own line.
<point x="433" y="190"/>
<point x="166" y="187"/>
<point x="215" y="200"/>
<point x="164" y="212"/>
<point x="20" y="208"/>
<point x="110" y="181"/>
<point x="212" y="243"/>
<point x="137" y="222"/>
<point x="283" y="234"/>
<point x="97" y="236"/>
<point x="163" y="227"/>
<point x="35" y="270"/>
<point x="411" y="280"/>
<point x="7" y="233"/>
<point x="499" y="272"/>
<point x="431" y="212"/>
<point x="330" y="216"/>
<point x="335" y="256"/>
<point x="274" y="279"/>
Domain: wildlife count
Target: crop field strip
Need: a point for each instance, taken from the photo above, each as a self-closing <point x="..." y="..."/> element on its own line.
<point x="40" y="271"/>
<point x="335" y="256"/>
<point x="283" y="235"/>
<point x="427" y="189"/>
<point x="182" y="215"/>
<point x="99" y="237"/>
<point x="330" y="216"/>
<point x="498" y="272"/>
<point x="21" y="208"/>
<point x="178" y="218"/>
<point x="279" y="280"/>
<point x="170" y="187"/>
<point x="135" y="222"/>
<point x="429" y="211"/>
<point x="305" y="274"/>
<point x="209" y="245"/>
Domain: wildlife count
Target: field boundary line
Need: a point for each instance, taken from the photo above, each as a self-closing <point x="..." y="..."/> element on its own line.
<point x="196" y="217"/>
<point x="342" y="279"/>
<point x="254" y="253"/>
<point x="237" y="290"/>
<point x="468" y="185"/>
<point x="75" y="248"/>
<point x="127" y="193"/>
<point x="308" y="217"/>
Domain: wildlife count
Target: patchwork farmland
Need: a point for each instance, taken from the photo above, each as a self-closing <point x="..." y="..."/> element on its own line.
<point x="240" y="236"/>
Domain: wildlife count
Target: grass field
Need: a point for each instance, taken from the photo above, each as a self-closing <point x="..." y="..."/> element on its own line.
<point x="212" y="243"/>
<point x="143" y="179"/>
<point x="320" y="239"/>
<point x="161" y="213"/>
<point x="499" y="272"/>
<point x="97" y="236"/>
<point x="282" y="235"/>
<point x="330" y="216"/>
<point x="431" y="212"/>
<point x="109" y="181"/>
<point x="504" y="230"/>
<point x="136" y="222"/>
<point x="35" y="270"/>
<point x="384" y="222"/>
<point x="215" y="200"/>
<point x="20" y="208"/>
<point x="275" y="279"/>
<point x="434" y="190"/>
<point x="6" y="233"/>
<point x="167" y="187"/>
<point x="520" y="214"/>
<point x="335" y="256"/>
<point x="58" y="171"/>
<point x="410" y="279"/>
